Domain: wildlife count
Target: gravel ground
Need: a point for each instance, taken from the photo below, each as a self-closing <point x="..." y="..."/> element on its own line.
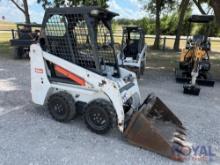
<point x="29" y="136"/>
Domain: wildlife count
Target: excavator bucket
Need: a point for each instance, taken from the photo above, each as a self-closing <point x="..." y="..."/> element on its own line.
<point x="191" y="89"/>
<point x="156" y="128"/>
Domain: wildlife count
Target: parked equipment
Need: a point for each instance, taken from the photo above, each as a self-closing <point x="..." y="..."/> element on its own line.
<point x="25" y="35"/>
<point x="194" y="65"/>
<point x="74" y="69"/>
<point x="133" y="50"/>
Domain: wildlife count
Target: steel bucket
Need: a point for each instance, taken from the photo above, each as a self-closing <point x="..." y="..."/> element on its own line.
<point x="156" y="128"/>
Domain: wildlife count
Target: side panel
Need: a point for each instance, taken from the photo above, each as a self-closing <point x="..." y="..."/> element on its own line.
<point x="142" y="57"/>
<point x="39" y="81"/>
<point x="185" y="53"/>
<point x="133" y="92"/>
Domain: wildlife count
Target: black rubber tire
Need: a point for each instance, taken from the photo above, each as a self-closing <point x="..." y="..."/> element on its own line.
<point x="97" y="112"/>
<point x="138" y="74"/>
<point x="142" y="68"/>
<point x="18" y="52"/>
<point x="66" y="105"/>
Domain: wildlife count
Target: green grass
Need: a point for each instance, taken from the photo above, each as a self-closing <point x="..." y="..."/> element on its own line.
<point x="5" y="49"/>
<point x="168" y="60"/>
<point x="160" y="59"/>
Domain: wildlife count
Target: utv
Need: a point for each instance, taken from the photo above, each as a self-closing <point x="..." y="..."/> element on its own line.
<point x="23" y="37"/>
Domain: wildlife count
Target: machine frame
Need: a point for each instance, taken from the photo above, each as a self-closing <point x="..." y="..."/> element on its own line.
<point x="116" y="88"/>
<point x="74" y="69"/>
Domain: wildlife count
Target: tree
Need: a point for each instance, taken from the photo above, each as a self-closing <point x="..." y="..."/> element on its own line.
<point x="156" y="7"/>
<point x="158" y="30"/>
<point x="198" y="4"/>
<point x="182" y="10"/>
<point x="57" y="3"/>
<point x="215" y="4"/>
<point x="22" y="5"/>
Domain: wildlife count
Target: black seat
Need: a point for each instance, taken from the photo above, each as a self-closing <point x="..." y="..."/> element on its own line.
<point x="131" y="49"/>
<point x="199" y="38"/>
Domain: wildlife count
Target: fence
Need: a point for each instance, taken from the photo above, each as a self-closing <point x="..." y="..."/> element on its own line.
<point x="166" y="42"/>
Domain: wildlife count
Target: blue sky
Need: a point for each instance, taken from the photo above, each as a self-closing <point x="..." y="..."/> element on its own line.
<point x="126" y="8"/>
<point x="11" y="13"/>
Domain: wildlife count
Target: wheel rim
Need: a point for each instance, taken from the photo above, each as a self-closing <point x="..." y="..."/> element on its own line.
<point x="97" y="119"/>
<point x="58" y="108"/>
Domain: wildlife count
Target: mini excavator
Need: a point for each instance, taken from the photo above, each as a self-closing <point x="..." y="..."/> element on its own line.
<point x="194" y="64"/>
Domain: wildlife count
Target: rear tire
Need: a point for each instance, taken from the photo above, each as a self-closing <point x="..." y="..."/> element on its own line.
<point x="100" y="116"/>
<point x="142" y="68"/>
<point x="18" y="52"/>
<point x="62" y="107"/>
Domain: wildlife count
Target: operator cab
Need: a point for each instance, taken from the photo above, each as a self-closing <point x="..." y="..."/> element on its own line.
<point x="82" y="36"/>
<point x="132" y="42"/>
<point x="201" y="40"/>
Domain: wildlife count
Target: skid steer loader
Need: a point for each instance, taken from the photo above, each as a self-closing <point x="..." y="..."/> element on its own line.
<point x="133" y="50"/>
<point x="74" y="69"/>
<point x="194" y="64"/>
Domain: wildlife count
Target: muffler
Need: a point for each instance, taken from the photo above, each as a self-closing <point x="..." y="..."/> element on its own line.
<point x="156" y="128"/>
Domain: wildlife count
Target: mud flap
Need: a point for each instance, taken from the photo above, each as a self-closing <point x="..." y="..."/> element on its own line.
<point x="156" y="128"/>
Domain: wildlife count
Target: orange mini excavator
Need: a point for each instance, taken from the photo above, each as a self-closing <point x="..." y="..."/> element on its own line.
<point x="194" y="63"/>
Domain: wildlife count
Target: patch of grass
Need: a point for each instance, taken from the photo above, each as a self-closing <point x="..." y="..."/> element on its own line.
<point x="160" y="59"/>
<point x="168" y="60"/>
<point x="5" y="49"/>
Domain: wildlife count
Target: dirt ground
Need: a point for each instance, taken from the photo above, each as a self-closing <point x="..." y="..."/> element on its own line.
<point x="29" y="136"/>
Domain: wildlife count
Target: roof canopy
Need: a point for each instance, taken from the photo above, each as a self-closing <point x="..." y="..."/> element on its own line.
<point x="201" y="18"/>
<point x="100" y="12"/>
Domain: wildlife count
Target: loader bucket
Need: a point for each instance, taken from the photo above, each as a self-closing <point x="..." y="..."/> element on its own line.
<point x="156" y="128"/>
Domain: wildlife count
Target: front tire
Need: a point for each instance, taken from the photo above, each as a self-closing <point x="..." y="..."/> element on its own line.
<point x="62" y="107"/>
<point x="99" y="116"/>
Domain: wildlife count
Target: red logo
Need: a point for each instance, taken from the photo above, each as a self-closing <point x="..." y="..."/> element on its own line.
<point x="39" y="70"/>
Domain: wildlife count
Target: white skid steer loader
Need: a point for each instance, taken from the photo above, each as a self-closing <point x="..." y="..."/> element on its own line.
<point x="74" y="69"/>
<point x="133" y="51"/>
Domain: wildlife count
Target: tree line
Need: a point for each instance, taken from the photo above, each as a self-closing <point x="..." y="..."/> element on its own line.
<point x="169" y="16"/>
